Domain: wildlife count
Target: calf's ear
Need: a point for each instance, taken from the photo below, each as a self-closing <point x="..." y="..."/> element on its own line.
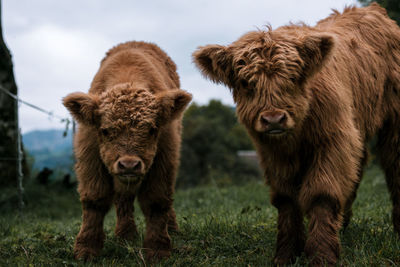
<point x="315" y="50"/>
<point x="83" y="107"/>
<point x="172" y="104"/>
<point x="215" y="63"/>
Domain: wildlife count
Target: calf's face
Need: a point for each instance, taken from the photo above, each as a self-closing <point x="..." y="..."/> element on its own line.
<point x="267" y="73"/>
<point x="128" y="121"/>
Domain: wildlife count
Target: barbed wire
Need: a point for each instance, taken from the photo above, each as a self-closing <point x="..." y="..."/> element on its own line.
<point x="51" y="114"/>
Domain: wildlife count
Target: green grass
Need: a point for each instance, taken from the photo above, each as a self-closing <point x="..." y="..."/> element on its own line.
<point x="228" y="226"/>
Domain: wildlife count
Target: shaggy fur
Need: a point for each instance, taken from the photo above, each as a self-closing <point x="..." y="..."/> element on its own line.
<point x="127" y="145"/>
<point x="311" y="98"/>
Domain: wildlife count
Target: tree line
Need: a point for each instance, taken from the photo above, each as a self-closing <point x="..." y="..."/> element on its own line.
<point x="211" y="140"/>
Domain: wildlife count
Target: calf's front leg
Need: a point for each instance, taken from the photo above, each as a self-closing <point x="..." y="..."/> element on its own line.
<point x="330" y="182"/>
<point x="157" y="240"/>
<point x="291" y="236"/>
<point x="322" y="247"/>
<point x="126" y="227"/>
<point x="91" y="236"/>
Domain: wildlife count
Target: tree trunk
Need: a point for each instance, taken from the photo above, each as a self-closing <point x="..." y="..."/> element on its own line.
<point x="8" y="120"/>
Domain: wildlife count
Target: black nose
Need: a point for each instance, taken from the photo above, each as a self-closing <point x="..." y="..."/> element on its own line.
<point x="129" y="165"/>
<point x="277" y="118"/>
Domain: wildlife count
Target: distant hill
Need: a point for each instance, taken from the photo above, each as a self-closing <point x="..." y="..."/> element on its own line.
<point x="49" y="149"/>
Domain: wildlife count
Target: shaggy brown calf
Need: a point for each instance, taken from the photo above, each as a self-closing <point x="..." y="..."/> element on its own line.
<point x="127" y="145"/>
<point x="310" y="98"/>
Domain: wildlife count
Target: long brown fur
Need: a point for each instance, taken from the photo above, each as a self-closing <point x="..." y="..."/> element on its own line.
<point x="132" y="113"/>
<point x="335" y="85"/>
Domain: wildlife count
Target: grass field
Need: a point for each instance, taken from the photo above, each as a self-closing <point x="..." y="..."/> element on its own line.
<point x="228" y="226"/>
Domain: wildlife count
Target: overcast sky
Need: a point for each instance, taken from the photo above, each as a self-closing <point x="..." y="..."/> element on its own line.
<point x="57" y="45"/>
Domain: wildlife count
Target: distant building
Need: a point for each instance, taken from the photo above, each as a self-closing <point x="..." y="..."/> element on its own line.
<point x="248" y="155"/>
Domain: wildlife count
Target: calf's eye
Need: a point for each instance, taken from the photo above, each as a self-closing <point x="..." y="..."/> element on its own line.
<point x="152" y="131"/>
<point x="105" y="132"/>
<point x="244" y="83"/>
<point x="241" y="63"/>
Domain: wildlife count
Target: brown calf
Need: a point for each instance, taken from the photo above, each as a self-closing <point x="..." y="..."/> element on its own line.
<point x="311" y="98"/>
<point x="127" y="145"/>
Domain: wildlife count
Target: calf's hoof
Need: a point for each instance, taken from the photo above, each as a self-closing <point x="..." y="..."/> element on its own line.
<point x="322" y="262"/>
<point x="86" y="254"/>
<point x="154" y="256"/>
<point x="282" y="261"/>
<point x="319" y="259"/>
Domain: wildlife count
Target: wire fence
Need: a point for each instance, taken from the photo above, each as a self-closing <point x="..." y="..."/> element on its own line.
<point x="50" y="114"/>
<point x="19" y="151"/>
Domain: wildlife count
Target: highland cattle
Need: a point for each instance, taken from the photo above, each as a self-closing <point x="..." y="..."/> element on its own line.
<point x="127" y="146"/>
<point x="311" y="98"/>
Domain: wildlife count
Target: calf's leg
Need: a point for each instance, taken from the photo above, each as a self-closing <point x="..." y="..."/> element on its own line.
<point x="322" y="246"/>
<point x="156" y="211"/>
<point x="291" y="237"/>
<point x="91" y="236"/>
<point x="348" y="212"/>
<point x="389" y="152"/>
<point x="126" y="227"/>
<point x="96" y="193"/>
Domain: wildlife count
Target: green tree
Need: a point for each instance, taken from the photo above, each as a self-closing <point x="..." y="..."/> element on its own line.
<point x="392" y="7"/>
<point x="211" y="138"/>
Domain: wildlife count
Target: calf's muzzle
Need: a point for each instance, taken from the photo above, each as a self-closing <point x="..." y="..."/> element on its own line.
<point x="273" y="122"/>
<point x="129" y="165"/>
